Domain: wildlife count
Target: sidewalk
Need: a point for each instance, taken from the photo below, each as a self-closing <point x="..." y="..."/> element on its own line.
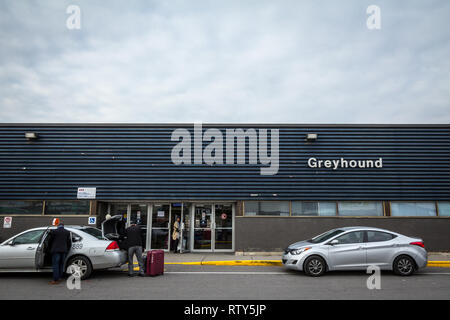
<point x="435" y="259"/>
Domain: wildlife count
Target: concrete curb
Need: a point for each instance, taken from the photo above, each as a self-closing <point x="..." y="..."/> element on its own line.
<point x="441" y="264"/>
<point x="232" y="263"/>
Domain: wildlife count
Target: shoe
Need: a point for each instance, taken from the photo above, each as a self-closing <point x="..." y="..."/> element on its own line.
<point x="53" y="282"/>
<point x="141" y="275"/>
<point x="131" y="275"/>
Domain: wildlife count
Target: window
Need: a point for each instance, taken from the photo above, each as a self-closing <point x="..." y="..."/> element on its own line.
<point x="413" y="209"/>
<point x="377" y="236"/>
<point x="363" y="208"/>
<point x="93" y="232"/>
<point x="66" y="207"/>
<point x="267" y="208"/>
<point x="325" y="236"/>
<point x="251" y="208"/>
<point x="75" y="237"/>
<point x="21" y="207"/>
<point x="444" y="208"/>
<point x="351" y="237"/>
<point x="29" y="237"/>
<point x="313" y="208"/>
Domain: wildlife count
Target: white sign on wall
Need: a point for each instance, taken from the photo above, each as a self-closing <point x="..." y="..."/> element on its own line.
<point x="92" y="220"/>
<point x="7" y="222"/>
<point x="344" y="163"/>
<point x="86" y="193"/>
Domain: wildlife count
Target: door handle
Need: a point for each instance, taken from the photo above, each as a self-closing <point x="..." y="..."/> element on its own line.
<point x="31" y="248"/>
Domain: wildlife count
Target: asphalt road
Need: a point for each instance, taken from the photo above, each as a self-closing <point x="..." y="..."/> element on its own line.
<point x="230" y="283"/>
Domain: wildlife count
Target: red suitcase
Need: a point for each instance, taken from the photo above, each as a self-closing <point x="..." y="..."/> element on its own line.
<point x="154" y="264"/>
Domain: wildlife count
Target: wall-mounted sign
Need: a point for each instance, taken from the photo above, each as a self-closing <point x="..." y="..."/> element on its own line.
<point x="92" y="220"/>
<point x="7" y="222"/>
<point x="344" y="163"/>
<point x="86" y="193"/>
<point x="161" y="214"/>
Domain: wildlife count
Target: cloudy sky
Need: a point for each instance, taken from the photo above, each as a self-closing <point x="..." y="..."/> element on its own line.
<point x="287" y="61"/>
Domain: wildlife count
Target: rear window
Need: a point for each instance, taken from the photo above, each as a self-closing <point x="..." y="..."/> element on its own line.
<point x="94" y="232"/>
<point x="378" y="236"/>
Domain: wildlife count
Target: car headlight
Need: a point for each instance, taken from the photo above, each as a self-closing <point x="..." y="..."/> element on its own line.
<point x="298" y="251"/>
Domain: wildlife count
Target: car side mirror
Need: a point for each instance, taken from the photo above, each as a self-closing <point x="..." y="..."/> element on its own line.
<point x="11" y="243"/>
<point x="333" y="242"/>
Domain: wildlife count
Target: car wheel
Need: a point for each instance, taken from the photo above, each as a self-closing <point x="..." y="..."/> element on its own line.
<point x="82" y="264"/>
<point x="404" y="266"/>
<point x="315" y="266"/>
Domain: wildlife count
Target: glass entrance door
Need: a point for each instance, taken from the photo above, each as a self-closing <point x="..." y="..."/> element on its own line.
<point x="160" y="227"/>
<point x="185" y="228"/>
<point x="202" y="227"/>
<point x="138" y="215"/>
<point x="213" y="227"/>
<point x="223" y="227"/>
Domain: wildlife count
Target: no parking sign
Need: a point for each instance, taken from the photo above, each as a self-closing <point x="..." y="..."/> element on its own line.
<point x="7" y="222"/>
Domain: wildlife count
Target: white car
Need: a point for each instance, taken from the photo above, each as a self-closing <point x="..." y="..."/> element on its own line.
<point x="356" y="248"/>
<point x="28" y="251"/>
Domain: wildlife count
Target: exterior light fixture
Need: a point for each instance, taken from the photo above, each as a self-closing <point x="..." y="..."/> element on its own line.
<point x="31" y="135"/>
<point x="310" y="137"/>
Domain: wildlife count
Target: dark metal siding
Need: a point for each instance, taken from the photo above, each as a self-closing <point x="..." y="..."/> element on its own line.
<point x="133" y="162"/>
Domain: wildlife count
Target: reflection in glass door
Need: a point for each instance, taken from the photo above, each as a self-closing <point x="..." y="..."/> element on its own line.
<point x="160" y="227"/>
<point x="202" y="227"/>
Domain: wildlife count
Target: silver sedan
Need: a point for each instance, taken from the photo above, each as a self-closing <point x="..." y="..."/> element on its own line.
<point x="28" y="251"/>
<point x="356" y="248"/>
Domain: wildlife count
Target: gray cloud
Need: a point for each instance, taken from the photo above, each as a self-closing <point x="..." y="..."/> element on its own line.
<point x="233" y="61"/>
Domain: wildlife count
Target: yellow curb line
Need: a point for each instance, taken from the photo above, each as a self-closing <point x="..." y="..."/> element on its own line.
<point x="442" y="264"/>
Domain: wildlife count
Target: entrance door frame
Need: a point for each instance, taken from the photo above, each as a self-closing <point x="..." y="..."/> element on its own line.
<point x="151" y="204"/>
<point x="213" y="226"/>
<point x="150" y="228"/>
<point x="127" y="223"/>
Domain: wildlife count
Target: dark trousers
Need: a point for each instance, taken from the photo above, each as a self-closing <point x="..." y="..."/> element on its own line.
<point x="58" y="265"/>
<point x="175" y="245"/>
<point x="136" y="250"/>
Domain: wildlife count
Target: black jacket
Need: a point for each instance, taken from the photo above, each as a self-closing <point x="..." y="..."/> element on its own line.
<point x="60" y="241"/>
<point x="134" y="236"/>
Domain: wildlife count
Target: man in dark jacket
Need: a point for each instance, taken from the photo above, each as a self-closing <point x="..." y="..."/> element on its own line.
<point x="59" y="244"/>
<point x="134" y="243"/>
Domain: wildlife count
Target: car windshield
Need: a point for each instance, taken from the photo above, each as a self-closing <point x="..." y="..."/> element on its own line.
<point x="325" y="236"/>
<point x="93" y="232"/>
